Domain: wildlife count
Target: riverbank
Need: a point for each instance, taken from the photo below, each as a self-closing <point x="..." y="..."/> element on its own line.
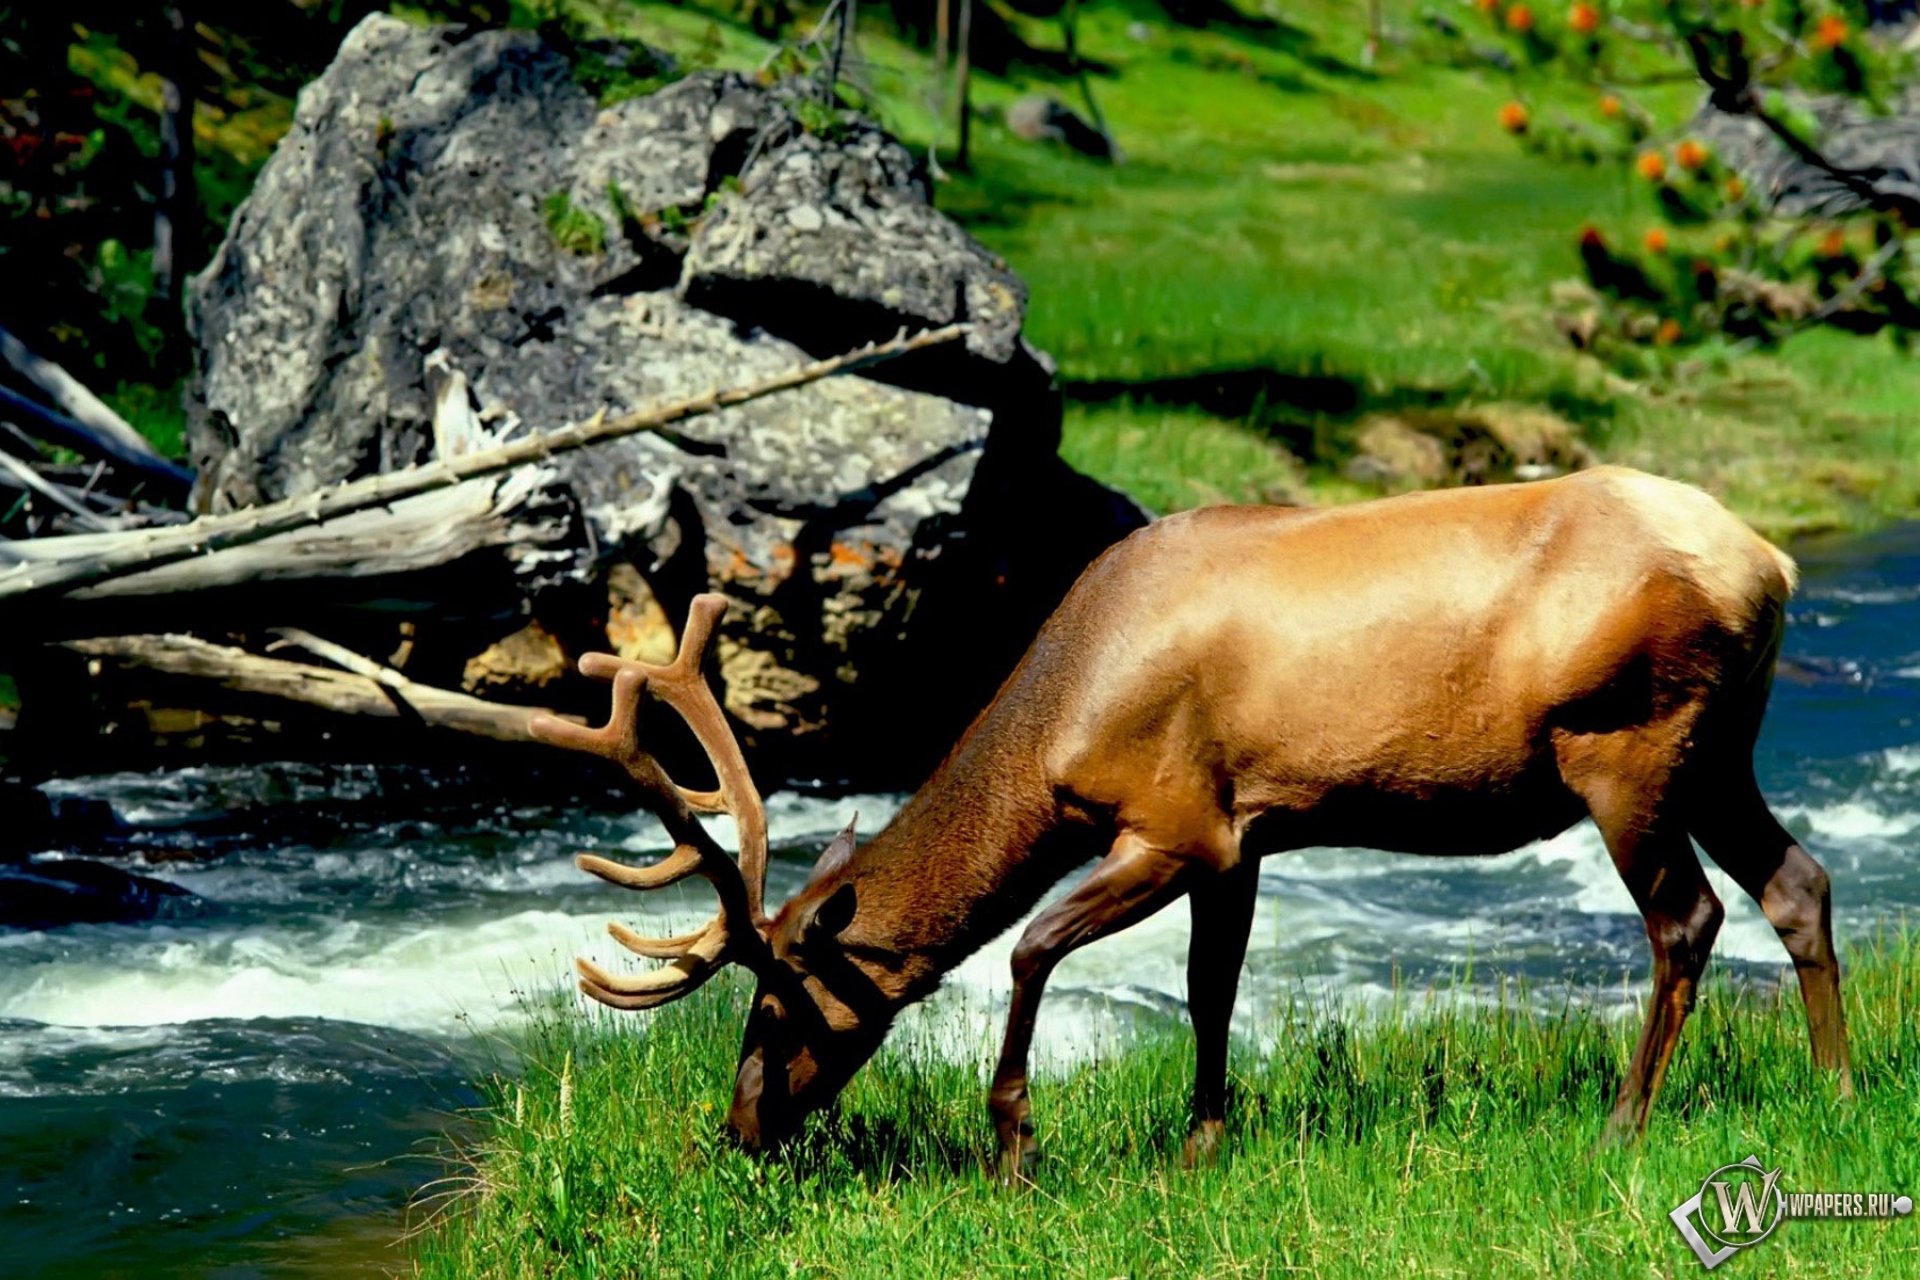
<point x="1441" y="1138"/>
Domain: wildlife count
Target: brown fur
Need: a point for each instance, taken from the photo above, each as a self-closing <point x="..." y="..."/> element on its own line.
<point x="1452" y="673"/>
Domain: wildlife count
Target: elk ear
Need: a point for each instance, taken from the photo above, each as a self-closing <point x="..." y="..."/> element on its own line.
<point x="827" y="919"/>
<point x="836" y="855"/>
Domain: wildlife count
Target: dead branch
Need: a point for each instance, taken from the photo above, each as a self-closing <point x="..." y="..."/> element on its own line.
<point x="392" y="697"/>
<point x="422" y="532"/>
<point x="1720" y="59"/>
<point x="32" y="481"/>
<point x="62" y="566"/>
<point x="83" y="422"/>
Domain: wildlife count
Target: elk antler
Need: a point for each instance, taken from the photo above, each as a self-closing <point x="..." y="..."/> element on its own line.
<point x="738" y="932"/>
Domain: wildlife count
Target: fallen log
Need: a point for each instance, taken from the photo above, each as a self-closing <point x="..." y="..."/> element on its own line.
<point x="98" y="426"/>
<point x="390" y="696"/>
<point x="57" y="428"/>
<point x="62" y="566"/>
<point x="422" y="532"/>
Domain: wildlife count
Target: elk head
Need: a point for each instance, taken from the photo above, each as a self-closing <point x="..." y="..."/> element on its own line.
<point x="817" y="1015"/>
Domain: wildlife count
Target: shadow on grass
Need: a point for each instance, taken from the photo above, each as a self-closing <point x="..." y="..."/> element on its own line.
<point x="885" y="1147"/>
<point x="1288" y="404"/>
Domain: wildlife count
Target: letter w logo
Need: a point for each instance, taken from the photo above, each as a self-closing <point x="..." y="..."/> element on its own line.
<point x="1745" y="1206"/>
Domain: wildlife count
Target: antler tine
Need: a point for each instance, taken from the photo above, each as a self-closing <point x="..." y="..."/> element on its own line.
<point x="682" y="686"/>
<point x="736" y="932"/>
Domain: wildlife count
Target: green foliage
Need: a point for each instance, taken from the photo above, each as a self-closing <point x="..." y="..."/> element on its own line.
<point x="158" y="411"/>
<point x="1430" y="1139"/>
<point x="1717" y="262"/>
<point x="823" y="120"/>
<point x="576" y="230"/>
<point x="614" y="72"/>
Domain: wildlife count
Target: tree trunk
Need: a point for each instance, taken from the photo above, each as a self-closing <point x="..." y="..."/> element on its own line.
<point x="961" y="154"/>
<point x="176" y="213"/>
<point x="942" y="52"/>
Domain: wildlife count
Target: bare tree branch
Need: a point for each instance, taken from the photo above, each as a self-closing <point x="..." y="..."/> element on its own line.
<point x="41" y="572"/>
<point x="1721" y="60"/>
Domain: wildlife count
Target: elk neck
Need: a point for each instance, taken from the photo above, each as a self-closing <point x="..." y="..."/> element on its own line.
<point x="972" y="851"/>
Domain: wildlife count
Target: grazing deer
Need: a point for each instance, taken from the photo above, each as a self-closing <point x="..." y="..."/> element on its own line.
<point x="1452" y="673"/>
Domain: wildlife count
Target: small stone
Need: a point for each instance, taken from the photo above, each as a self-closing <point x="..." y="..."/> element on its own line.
<point x="804" y="217"/>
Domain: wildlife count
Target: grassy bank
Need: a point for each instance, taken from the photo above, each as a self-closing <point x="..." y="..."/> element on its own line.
<point x="1451" y="1141"/>
<point x="1339" y="240"/>
<point x="1344" y="241"/>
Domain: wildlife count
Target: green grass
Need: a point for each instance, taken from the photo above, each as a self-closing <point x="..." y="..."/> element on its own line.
<point x="1282" y="209"/>
<point x="1452" y="1139"/>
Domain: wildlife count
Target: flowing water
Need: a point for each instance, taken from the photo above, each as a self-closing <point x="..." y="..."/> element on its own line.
<point x="257" y="1083"/>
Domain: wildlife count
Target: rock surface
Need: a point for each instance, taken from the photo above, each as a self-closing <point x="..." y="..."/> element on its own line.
<point x="1038" y="118"/>
<point x="1886" y="147"/>
<point x="456" y="198"/>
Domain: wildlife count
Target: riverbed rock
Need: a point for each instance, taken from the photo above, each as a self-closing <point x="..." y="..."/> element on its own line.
<point x="51" y="893"/>
<point x="456" y="198"/>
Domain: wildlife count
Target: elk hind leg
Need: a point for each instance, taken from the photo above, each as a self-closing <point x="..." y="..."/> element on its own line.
<point x="1682" y="916"/>
<point x="1133" y="881"/>
<point x="1733" y="824"/>
<point x="1222" y="906"/>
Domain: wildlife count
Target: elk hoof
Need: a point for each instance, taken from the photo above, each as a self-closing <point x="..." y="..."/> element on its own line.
<point x="1018" y="1160"/>
<point x="1203" y="1144"/>
<point x="1621" y="1131"/>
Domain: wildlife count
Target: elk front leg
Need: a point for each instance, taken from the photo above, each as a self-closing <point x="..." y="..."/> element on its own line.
<point x="1222" y="908"/>
<point x="1132" y="882"/>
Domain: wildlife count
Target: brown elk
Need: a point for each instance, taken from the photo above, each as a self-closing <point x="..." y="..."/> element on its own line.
<point x="1452" y="673"/>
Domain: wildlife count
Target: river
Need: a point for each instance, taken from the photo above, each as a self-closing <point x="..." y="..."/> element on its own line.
<point x="257" y="1084"/>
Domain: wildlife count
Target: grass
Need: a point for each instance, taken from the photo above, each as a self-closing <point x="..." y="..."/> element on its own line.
<point x="1451" y="1138"/>
<point x="1366" y="235"/>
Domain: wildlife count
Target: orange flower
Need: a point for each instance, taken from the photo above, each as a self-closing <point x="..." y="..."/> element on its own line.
<point x="1690" y="155"/>
<point x="1668" y="333"/>
<point x="1520" y="18"/>
<point x="1735" y="187"/>
<point x="1513" y="118"/>
<point x="1609" y="106"/>
<point x="1831" y="32"/>
<point x="1656" y="240"/>
<point x="1833" y="244"/>
<point x="1489" y="6"/>
<point x="1651" y="165"/>
<point x="1583" y="18"/>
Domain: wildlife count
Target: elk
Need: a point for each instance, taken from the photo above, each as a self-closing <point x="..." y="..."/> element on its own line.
<point x="1454" y="673"/>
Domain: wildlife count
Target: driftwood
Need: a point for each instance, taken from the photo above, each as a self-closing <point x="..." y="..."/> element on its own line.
<point x="81" y="422"/>
<point x="49" y="567"/>
<point x="417" y="533"/>
<point x="385" y="695"/>
<point x="18" y="474"/>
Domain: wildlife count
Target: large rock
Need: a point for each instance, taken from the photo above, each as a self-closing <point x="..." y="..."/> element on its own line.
<point x="459" y="195"/>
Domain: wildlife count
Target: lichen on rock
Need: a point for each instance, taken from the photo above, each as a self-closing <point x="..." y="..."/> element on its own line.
<point x="460" y="194"/>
